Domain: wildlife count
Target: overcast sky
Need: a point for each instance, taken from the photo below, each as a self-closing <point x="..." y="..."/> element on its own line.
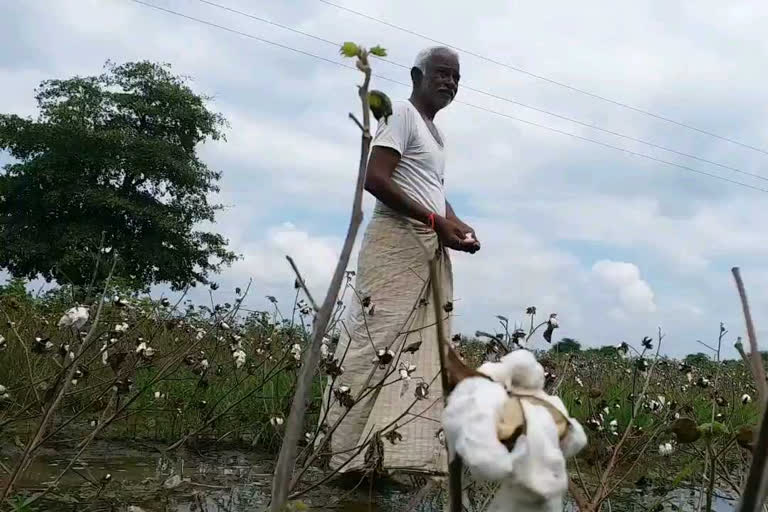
<point x="616" y="244"/>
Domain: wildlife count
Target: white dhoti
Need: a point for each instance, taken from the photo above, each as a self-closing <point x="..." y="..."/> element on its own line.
<point x="393" y="273"/>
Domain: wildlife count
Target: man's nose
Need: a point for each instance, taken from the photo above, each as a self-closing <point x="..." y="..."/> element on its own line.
<point x="450" y="83"/>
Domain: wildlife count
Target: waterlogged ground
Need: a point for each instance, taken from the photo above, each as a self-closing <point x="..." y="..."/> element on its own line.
<point x="187" y="481"/>
<point x="233" y="481"/>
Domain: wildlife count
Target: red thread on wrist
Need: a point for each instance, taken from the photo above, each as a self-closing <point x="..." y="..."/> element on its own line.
<point x="431" y="219"/>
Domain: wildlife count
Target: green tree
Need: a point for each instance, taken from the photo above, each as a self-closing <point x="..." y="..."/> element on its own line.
<point x="566" y="345"/>
<point x="113" y="158"/>
<point x="697" y="359"/>
<point x="15" y="287"/>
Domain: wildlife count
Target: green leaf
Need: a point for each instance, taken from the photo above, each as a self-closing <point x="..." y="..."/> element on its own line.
<point x="374" y="101"/>
<point x="380" y="105"/>
<point x="349" y="49"/>
<point x="378" y="51"/>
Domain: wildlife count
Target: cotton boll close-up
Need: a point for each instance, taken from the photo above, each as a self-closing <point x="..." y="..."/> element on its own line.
<point x="518" y="368"/>
<point x="469" y="421"/>
<point x="531" y="472"/>
<point x="539" y="478"/>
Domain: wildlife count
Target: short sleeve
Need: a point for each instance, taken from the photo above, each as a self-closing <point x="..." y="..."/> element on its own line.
<point x="395" y="132"/>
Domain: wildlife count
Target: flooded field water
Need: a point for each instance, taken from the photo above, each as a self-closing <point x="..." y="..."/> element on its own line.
<point x="144" y="479"/>
<point x="187" y="481"/>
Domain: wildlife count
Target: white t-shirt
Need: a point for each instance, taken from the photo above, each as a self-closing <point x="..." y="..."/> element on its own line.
<point x="420" y="171"/>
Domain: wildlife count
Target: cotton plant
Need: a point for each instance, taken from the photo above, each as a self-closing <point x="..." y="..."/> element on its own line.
<point x="507" y="429"/>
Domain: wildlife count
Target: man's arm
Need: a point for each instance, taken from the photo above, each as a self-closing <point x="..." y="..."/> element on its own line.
<point x="379" y="182"/>
<point x="449" y="213"/>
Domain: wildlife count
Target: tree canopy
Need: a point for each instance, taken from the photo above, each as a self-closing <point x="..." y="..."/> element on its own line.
<point x="110" y="164"/>
<point x="566" y="345"/>
<point x="698" y="358"/>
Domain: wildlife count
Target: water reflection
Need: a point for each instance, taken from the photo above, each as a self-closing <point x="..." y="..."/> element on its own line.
<point x="231" y="481"/>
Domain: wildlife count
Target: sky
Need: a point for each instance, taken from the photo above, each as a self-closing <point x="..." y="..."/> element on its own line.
<point x="616" y="244"/>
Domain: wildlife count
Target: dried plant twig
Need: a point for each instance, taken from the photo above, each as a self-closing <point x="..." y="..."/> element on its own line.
<point x="303" y="284"/>
<point x="288" y="451"/>
<point x="753" y="496"/>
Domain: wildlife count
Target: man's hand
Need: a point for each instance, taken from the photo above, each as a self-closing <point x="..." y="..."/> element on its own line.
<point x="453" y="234"/>
<point x="467" y="230"/>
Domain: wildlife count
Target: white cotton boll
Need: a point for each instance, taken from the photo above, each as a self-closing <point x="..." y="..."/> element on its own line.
<point x="324" y="350"/>
<point x="141" y="347"/>
<point x="524" y="370"/>
<point x="575" y="440"/>
<point x="75" y="318"/>
<point x="496" y="371"/>
<point x="542" y="475"/>
<point x="296" y="351"/>
<point x="122" y="327"/>
<point x="469" y="421"/>
<point x="745" y="399"/>
<point x="666" y="449"/>
<point x="518" y="368"/>
<point x="104" y="355"/>
<point x="239" y="357"/>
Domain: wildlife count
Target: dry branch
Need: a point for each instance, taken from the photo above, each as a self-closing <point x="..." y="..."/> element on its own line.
<point x="753" y="497"/>
<point x="288" y="451"/>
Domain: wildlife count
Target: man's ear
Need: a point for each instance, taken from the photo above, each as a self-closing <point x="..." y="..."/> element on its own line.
<point x="416" y="76"/>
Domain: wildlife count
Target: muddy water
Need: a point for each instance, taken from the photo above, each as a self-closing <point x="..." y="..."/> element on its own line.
<point x="232" y="481"/>
<point x="187" y="481"/>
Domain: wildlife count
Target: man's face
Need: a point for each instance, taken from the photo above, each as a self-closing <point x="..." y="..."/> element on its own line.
<point x="440" y="82"/>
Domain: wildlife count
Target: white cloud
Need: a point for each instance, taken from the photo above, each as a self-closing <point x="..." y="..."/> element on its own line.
<point x="623" y="279"/>
<point x="265" y="261"/>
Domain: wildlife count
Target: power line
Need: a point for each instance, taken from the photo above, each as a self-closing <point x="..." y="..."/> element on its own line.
<point x="544" y="78"/>
<point x="387" y="79"/>
<point x="495" y="96"/>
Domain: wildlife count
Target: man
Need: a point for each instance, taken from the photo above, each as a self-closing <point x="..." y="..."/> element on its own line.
<point x="391" y="309"/>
